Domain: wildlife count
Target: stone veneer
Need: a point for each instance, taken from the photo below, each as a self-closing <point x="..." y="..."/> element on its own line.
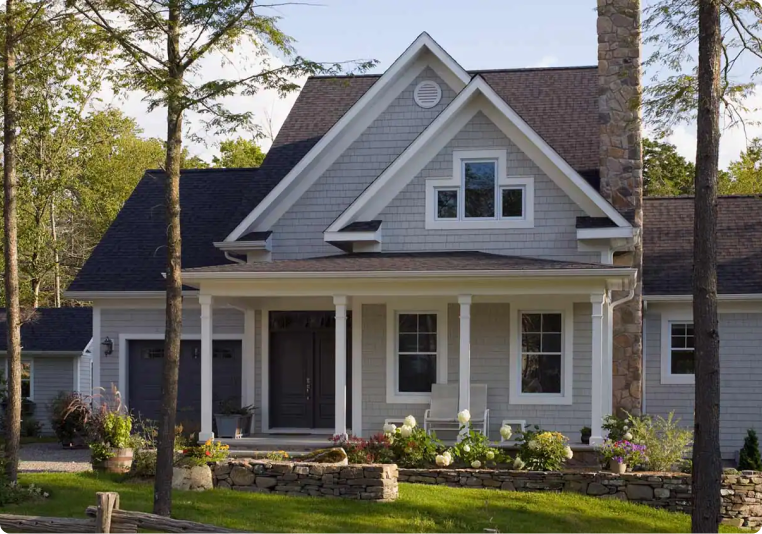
<point x="741" y="493"/>
<point x="621" y="172"/>
<point x="366" y="482"/>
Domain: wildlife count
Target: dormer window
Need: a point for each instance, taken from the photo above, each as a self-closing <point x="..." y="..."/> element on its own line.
<point x="480" y="194"/>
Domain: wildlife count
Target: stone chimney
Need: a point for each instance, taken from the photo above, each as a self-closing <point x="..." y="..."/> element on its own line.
<point x="619" y="103"/>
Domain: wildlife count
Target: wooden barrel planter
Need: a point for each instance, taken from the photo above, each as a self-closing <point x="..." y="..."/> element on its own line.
<point x="121" y="462"/>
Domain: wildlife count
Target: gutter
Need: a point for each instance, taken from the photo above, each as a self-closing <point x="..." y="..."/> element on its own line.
<point x="728" y="297"/>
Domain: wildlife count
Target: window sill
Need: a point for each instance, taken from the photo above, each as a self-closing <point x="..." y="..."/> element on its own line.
<point x="408" y="398"/>
<point x="541" y="399"/>
<point x="478" y="224"/>
<point x="678" y="380"/>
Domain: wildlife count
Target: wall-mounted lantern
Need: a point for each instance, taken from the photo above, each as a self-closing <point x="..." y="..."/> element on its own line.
<point x="108" y="345"/>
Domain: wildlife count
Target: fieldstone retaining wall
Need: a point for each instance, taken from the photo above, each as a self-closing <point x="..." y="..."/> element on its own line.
<point x="366" y="482"/>
<point x="741" y="493"/>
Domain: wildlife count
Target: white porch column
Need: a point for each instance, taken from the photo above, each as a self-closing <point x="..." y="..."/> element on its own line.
<point x="248" y="377"/>
<point x="596" y="416"/>
<point x="206" y="368"/>
<point x="464" y="369"/>
<point x="340" y="424"/>
<point x="95" y="351"/>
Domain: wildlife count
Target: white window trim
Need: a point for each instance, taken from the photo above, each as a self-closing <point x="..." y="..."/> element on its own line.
<point x="515" y="395"/>
<point x="30" y="361"/>
<point x="393" y="396"/>
<point x="667" y="318"/>
<point x="457" y="182"/>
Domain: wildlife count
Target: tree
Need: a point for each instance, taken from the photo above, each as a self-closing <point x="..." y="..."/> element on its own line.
<point x="162" y="43"/>
<point x="745" y="174"/>
<point x="707" y="461"/>
<point x="237" y="153"/>
<point x="665" y="172"/>
<point x="750" y="458"/>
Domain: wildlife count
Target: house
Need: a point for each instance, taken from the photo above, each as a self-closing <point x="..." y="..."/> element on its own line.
<point x="433" y="225"/>
<point x="55" y="355"/>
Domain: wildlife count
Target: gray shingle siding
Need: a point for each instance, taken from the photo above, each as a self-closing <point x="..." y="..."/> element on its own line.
<point x="299" y="233"/>
<point x="740" y="378"/>
<point x="116" y="322"/>
<point x="554" y="235"/>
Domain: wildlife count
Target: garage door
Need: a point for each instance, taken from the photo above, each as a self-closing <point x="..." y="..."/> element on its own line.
<point x="145" y="368"/>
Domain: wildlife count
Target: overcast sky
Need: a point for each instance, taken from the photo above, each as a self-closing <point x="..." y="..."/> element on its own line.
<point x="479" y="34"/>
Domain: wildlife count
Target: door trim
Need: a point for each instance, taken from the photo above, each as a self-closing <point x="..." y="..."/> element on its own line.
<point x="264" y="409"/>
<point x="124" y="385"/>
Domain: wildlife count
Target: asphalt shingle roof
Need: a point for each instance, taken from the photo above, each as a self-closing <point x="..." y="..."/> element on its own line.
<point x="668" y="245"/>
<point x="52" y="330"/>
<point x="402" y="262"/>
<point x="560" y="103"/>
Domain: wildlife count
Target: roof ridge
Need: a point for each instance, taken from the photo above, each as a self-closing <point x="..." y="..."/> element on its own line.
<point x="472" y="72"/>
<point x="206" y="170"/>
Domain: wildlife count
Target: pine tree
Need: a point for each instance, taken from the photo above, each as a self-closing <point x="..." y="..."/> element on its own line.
<point x="750" y="459"/>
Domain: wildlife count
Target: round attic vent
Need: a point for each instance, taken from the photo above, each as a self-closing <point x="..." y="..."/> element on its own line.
<point x="427" y="94"/>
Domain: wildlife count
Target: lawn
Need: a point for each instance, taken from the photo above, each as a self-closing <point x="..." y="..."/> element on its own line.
<point x="419" y="509"/>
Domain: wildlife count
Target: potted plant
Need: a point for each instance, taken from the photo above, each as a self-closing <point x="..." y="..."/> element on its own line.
<point x="233" y="421"/>
<point x="622" y="453"/>
<point x="111" y="440"/>
<point x="585" y="433"/>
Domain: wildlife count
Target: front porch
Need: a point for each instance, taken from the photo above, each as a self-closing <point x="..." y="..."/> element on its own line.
<point x="367" y="350"/>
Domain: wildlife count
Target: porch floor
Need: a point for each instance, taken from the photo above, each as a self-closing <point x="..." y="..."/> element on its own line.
<point x="276" y="442"/>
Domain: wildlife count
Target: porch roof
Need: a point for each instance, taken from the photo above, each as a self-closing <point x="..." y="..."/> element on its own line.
<point x="461" y="262"/>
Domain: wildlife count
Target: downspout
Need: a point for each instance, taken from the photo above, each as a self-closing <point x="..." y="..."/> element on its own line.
<point x="233" y="258"/>
<point x="643" y="390"/>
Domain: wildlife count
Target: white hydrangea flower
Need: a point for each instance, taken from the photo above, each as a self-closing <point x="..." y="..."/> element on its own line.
<point x="506" y="432"/>
<point x="490" y="455"/>
<point x="440" y="460"/>
<point x="476" y="464"/>
<point x="410" y="421"/>
<point x="518" y="463"/>
<point x="534" y="445"/>
<point x="628" y="436"/>
<point x="464" y="417"/>
<point x="448" y="457"/>
<point x="466" y="448"/>
<point x="389" y="428"/>
<point x="406" y="431"/>
<point x="568" y="453"/>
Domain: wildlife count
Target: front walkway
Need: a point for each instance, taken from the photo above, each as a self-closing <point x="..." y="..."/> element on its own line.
<point x="52" y="458"/>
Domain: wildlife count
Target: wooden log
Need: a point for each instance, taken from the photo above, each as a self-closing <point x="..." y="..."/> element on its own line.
<point x="153" y="523"/>
<point x="108" y="501"/>
<point x="27" y="523"/>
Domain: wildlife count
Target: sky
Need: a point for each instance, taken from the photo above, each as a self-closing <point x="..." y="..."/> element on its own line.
<point x="479" y="34"/>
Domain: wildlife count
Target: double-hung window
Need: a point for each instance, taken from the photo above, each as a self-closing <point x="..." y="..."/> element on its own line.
<point x="27" y="377"/>
<point x="677" y="351"/>
<point x="480" y="194"/>
<point x="416" y="352"/>
<point x="541" y="353"/>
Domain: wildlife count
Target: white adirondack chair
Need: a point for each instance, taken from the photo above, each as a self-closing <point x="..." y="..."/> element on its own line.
<point x="479" y="410"/>
<point x="443" y="413"/>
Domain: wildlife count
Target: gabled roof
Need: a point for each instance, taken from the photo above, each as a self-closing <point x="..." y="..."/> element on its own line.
<point x="131" y="256"/>
<point x="52" y="330"/>
<point x="668" y="245"/>
<point x="477" y="96"/>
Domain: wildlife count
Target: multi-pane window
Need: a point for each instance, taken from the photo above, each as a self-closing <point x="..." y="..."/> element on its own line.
<point x="26" y="380"/>
<point x="416" y="352"/>
<point x="480" y="196"/>
<point x="681" y="348"/>
<point x="541" y="353"/>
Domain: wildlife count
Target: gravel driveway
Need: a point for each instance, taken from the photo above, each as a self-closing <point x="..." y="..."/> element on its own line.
<point x="52" y="458"/>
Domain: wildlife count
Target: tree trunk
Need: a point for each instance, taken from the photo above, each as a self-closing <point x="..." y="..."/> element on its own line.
<point x="36" y="283"/>
<point x="13" y="312"/>
<point x="707" y="464"/>
<point x="162" y="499"/>
<point x="56" y="256"/>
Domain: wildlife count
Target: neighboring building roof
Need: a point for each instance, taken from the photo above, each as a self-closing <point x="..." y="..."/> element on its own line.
<point x="402" y="262"/>
<point x="362" y="226"/>
<point x="52" y="330"/>
<point x="668" y="245"/>
<point x="131" y="256"/>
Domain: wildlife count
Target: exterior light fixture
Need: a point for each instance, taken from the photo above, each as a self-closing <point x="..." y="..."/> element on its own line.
<point x="109" y="346"/>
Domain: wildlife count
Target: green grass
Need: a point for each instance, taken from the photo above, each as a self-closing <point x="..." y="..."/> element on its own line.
<point x="419" y="509"/>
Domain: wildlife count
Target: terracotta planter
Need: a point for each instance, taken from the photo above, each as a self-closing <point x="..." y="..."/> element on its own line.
<point x="121" y="462"/>
<point x="616" y="467"/>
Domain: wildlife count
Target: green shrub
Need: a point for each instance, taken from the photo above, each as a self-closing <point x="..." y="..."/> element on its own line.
<point x="211" y="451"/>
<point x="474" y="450"/>
<point x="375" y="450"/>
<point x="617" y="427"/>
<point x="543" y="451"/>
<point x="31" y="428"/>
<point x="70" y="414"/>
<point x="666" y="441"/>
<point x="750" y="459"/>
<point x="411" y="445"/>
<point x="143" y="464"/>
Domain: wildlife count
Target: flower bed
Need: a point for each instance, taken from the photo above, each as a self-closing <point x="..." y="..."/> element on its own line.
<point x="366" y="482"/>
<point x="741" y="493"/>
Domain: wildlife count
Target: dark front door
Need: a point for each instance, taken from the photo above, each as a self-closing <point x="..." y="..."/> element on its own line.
<point x="302" y="369"/>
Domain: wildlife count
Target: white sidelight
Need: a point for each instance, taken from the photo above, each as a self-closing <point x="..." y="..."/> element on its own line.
<point x="597" y="389"/>
<point x="464" y="385"/>
<point x="206" y="368"/>
<point x="340" y="425"/>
